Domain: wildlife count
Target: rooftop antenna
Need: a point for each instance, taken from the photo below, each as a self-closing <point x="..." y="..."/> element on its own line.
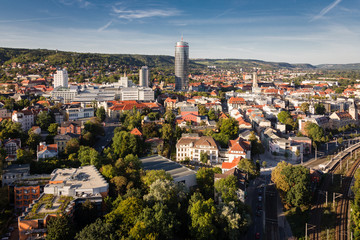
<point x="182" y="37"/>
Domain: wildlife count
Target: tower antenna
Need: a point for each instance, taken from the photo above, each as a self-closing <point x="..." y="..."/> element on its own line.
<point x="182" y="37"/>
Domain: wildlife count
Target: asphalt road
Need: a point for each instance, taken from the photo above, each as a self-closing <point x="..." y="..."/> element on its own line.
<point x="255" y="190"/>
<point x="105" y="140"/>
<point x="271" y="213"/>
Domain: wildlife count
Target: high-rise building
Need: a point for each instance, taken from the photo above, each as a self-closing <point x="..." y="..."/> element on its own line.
<point x="181" y="65"/>
<point x="144" y="76"/>
<point x="61" y="78"/>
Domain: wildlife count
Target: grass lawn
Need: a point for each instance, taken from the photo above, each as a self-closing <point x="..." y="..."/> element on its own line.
<point x="297" y="221"/>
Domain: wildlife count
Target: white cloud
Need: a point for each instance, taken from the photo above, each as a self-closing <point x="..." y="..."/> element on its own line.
<point x="139" y="14"/>
<point x="105" y="26"/>
<point x="326" y="10"/>
<point x="80" y="3"/>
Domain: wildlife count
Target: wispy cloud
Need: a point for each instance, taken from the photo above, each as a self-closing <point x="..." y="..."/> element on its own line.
<point x="139" y="14"/>
<point x="29" y="19"/>
<point x="105" y="26"/>
<point x="326" y="10"/>
<point x="80" y="3"/>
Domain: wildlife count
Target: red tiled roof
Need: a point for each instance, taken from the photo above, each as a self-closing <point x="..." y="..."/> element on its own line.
<point x="136" y="132"/>
<point x="230" y="165"/>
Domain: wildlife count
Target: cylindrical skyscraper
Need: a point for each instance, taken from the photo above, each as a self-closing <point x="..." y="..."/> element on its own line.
<point x="144" y="77"/>
<point x="181" y="65"/>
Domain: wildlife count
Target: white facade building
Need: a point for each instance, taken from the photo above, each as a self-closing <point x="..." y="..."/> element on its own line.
<point x="78" y="113"/>
<point x="191" y="146"/>
<point x="61" y="78"/>
<point x="25" y="118"/>
<point x="137" y="93"/>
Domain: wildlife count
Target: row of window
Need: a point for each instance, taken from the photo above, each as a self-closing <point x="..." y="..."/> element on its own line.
<point x="26" y="191"/>
<point x="27" y="197"/>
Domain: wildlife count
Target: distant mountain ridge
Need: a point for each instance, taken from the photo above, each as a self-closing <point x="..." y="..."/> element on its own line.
<point x="249" y="63"/>
<point x="349" y="66"/>
<point x="55" y="57"/>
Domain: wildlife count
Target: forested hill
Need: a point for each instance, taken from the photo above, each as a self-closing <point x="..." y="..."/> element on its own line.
<point x="10" y="55"/>
<point x="54" y="57"/>
<point x="350" y="66"/>
<point x="250" y="63"/>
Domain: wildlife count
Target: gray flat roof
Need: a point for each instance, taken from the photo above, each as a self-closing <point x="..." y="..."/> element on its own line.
<point x="161" y="163"/>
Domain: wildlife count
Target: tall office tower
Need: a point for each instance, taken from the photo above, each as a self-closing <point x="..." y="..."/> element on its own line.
<point x="255" y="83"/>
<point x="144" y="76"/>
<point x="61" y="78"/>
<point x="181" y="65"/>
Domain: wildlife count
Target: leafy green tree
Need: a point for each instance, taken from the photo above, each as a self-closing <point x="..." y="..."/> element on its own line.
<point x="72" y="146"/>
<point x="9" y="129"/>
<point x="125" y="143"/>
<point x="33" y="141"/>
<point x="158" y="221"/>
<point x="170" y="117"/>
<point x="283" y="116"/>
<point x="120" y="184"/>
<point x="304" y="107"/>
<point x="314" y="131"/>
<point x="24" y="156"/>
<point x="227" y="188"/>
<point x="264" y="164"/>
<point x="108" y="171"/>
<point x="167" y="132"/>
<point x="229" y="127"/>
<point x="153" y="116"/>
<point x="234" y="220"/>
<point x="165" y="191"/>
<point x="94" y="127"/>
<point x="153" y="175"/>
<point x="294" y="183"/>
<point x="89" y="156"/>
<point x="43" y="119"/>
<point x="277" y="176"/>
<point x="202" y="214"/>
<point x="212" y="115"/>
<point x="340" y="140"/>
<point x="59" y="228"/>
<point x="149" y="130"/>
<point x="319" y="108"/>
<point x="202" y="110"/>
<point x="97" y="230"/>
<point x="101" y="114"/>
<point x="205" y="181"/>
<point x="85" y="214"/>
<point x="124" y="216"/>
<point x="247" y="166"/>
<point x="204" y="157"/>
<point x="53" y="129"/>
<point x="355" y="205"/>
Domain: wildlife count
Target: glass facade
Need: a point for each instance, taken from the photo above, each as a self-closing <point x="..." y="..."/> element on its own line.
<point x="181" y="66"/>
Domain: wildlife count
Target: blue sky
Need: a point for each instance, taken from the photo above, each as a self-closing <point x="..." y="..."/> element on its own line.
<point x="295" y="31"/>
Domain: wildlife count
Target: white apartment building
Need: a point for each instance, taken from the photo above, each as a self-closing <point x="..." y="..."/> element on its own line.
<point x="61" y="78"/>
<point x="78" y="113"/>
<point x="137" y="93"/>
<point x="25" y="118"/>
<point x="191" y="146"/>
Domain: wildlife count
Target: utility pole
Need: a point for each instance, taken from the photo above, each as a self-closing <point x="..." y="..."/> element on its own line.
<point x="336" y="195"/>
<point x="306" y="229"/>
<point x="327" y="234"/>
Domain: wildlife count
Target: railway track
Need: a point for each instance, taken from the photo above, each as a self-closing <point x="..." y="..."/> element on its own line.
<point x="342" y="210"/>
<point x="343" y="205"/>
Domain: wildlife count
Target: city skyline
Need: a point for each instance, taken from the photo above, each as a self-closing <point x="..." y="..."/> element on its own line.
<point x="287" y="31"/>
